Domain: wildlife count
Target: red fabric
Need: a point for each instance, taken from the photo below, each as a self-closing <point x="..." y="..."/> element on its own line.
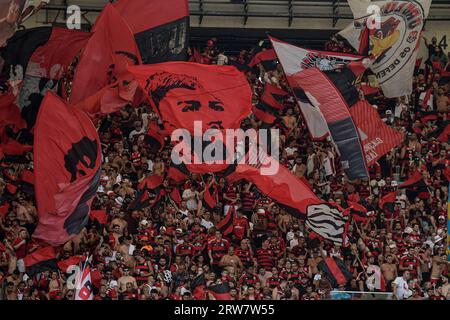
<point x="39" y="255"/>
<point x="226" y="224"/>
<point x="100" y="216"/>
<point x="336" y="271"/>
<point x="152" y="181"/>
<point x="391" y="197"/>
<point x="175" y="195"/>
<point x="72" y="261"/>
<point x="11" y="188"/>
<point x="9" y="112"/>
<point x="4" y="209"/>
<point x="265" y="117"/>
<point x="108" y="51"/>
<point x="136" y="13"/>
<point x="221" y="93"/>
<point x="443" y="137"/>
<point x="67" y="157"/>
<point x="13" y="148"/>
<point x="377" y="137"/>
<point x="273" y="95"/>
<point x="263" y="56"/>
<point x="52" y="59"/>
<point x="27" y="176"/>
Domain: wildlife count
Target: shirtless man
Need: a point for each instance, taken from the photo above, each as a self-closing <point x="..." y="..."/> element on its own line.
<point x="439" y="262"/>
<point x="442" y="101"/>
<point x="124" y="249"/>
<point x="126" y="278"/>
<point x="121" y="222"/>
<point x="290" y="120"/>
<point x="389" y="271"/>
<point x="231" y="260"/>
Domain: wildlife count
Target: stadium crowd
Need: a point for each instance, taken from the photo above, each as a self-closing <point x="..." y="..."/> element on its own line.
<point x="162" y="250"/>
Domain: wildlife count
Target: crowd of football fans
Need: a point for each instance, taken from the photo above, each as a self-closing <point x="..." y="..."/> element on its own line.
<point x="160" y="251"/>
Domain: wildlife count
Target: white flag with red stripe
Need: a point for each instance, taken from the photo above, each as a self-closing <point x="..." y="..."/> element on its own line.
<point x="83" y="282"/>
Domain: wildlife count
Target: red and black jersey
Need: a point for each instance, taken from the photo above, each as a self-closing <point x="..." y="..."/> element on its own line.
<point x="274" y="281"/>
<point x="141" y="269"/>
<point x="136" y="158"/>
<point x="248" y="201"/>
<point x="184" y="249"/>
<point x="245" y="256"/>
<point x="265" y="258"/>
<point x="249" y="279"/>
<point x="218" y="249"/>
<point x="231" y="193"/>
<point x="240" y="227"/>
<point x="410" y="262"/>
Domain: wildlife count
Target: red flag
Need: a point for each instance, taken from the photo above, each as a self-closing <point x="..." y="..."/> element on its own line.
<point x="13" y="147"/>
<point x="40" y="260"/>
<point x="83" y="283"/>
<point x="46" y="67"/>
<point x="377" y="137"/>
<point x="27" y="176"/>
<point x="175" y="195"/>
<point x="387" y="202"/>
<point x="67" y="157"/>
<point x="181" y="93"/>
<point x="265" y="55"/>
<point x="226" y="224"/>
<point x="160" y="27"/>
<point x="151" y="182"/>
<point x="296" y="198"/>
<point x="72" y="261"/>
<point x="11" y="188"/>
<point x="335" y="270"/>
<point x="209" y="199"/>
<point x="108" y="51"/>
<point x="100" y="216"/>
<point x="4" y="208"/>
<point x="220" y="291"/>
<point x="273" y="96"/>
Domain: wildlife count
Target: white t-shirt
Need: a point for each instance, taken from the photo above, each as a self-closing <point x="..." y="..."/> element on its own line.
<point x="207" y="224"/>
<point x="403" y="291"/>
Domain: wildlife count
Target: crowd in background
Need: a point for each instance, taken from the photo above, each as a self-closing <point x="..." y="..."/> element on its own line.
<point x="157" y="252"/>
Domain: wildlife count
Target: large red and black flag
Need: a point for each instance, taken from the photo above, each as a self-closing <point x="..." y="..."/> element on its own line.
<point x="67" y="157"/>
<point x="160" y="28"/>
<point x="46" y="66"/>
<point x="294" y="59"/>
<point x="295" y="197"/>
<point x="335" y="270"/>
<point x="43" y="259"/>
<point x="183" y="92"/>
<point x="334" y="93"/>
<point x="64" y="265"/>
<point x="376" y="136"/>
<point x="109" y="50"/>
<point x="415" y="187"/>
<point x="225" y="226"/>
<point x="19" y="49"/>
<point x="220" y="291"/>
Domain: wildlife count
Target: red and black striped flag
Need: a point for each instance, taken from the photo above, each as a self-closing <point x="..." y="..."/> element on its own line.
<point x="335" y="270"/>
<point x="273" y="96"/>
<point x="225" y="226"/>
<point x="209" y="198"/>
<point x="387" y="202"/>
<point x="42" y="259"/>
<point x="220" y="291"/>
<point x="267" y="58"/>
<point x="198" y="287"/>
<point x="415" y="187"/>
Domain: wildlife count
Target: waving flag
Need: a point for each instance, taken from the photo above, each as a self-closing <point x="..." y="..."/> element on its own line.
<point x="46" y="67"/>
<point x="393" y="45"/>
<point x="110" y="49"/>
<point x="67" y="157"/>
<point x="333" y="93"/>
<point x="220" y="291"/>
<point x="43" y="259"/>
<point x="160" y="28"/>
<point x="377" y="137"/>
<point x="83" y="282"/>
<point x="225" y="226"/>
<point x="375" y="279"/>
<point x="295" y="197"/>
<point x="183" y="92"/>
<point x="295" y="59"/>
<point x="335" y="270"/>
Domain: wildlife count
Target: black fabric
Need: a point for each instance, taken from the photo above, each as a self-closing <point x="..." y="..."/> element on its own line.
<point x="344" y="80"/>
<point x="155" y="44"/>
<point x="47" y="265"/>
<point x="21" y="46"/>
